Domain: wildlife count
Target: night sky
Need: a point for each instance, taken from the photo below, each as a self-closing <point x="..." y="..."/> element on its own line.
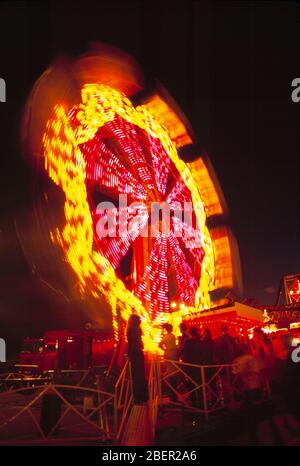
<point x="229" y="66"/>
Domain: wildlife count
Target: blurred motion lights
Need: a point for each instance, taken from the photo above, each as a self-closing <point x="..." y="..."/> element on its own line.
<point x="98" y="145"/>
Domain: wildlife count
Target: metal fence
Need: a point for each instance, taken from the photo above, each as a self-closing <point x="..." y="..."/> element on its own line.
<point x="205" y="388"/>
<point x="89" y="409"/>
<point x="83" y="413"/>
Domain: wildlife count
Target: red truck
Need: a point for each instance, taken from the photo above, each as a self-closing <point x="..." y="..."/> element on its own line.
<point x="64" y="349"/>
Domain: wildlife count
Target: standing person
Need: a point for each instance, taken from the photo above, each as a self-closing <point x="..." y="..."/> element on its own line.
<point x="291" y="382"/>
<point x="136" y="358"/>
<point x="208" y="347"/>
<point x="282" y="381"/>
<point x="248" y="367"/>
<point x="207" y="359"/>
<point x="192" y="354"/>
<point x="225" y="347"/>
<point x="168" y="344"/>
<point x="281" y="347"/>
<point x="263" y="348"/>
<point x="185" y="335"/>
<point x="192" y="351"/>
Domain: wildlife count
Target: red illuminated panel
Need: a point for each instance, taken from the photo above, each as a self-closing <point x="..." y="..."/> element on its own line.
<point x="238" y="317"/>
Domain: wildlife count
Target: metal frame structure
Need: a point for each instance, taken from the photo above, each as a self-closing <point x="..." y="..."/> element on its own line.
<point x="285" y="292"/>
<point x="102" y="416"/>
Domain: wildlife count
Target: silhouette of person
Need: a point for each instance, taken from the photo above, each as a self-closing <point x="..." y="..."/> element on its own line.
<point x="136" y="358"/>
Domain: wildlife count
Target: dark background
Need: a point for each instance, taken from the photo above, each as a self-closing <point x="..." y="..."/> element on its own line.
<point x="229" y="66"/>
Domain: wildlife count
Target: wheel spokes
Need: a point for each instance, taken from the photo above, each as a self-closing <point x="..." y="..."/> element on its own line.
<point x="185" y="280"/>
<point x="179" y="194"/>
<point x="160" y="162"/>
<point x="153" y="286"/>
<point x="116" y="231"/>
<point x="126" y="138"/>
<point x="124" y="159"/>
<point x="105" y="169"/>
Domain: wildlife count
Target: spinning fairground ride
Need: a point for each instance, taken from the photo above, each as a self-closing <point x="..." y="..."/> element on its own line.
<point x="127" y="204"/>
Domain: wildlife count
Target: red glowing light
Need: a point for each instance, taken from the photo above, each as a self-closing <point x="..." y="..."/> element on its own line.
<point x="124" y="159"/>
<point x="97" y="144"/>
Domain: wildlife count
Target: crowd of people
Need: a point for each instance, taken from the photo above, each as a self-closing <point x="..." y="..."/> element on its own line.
<point x="197" y="346"/>
<point x="254" y="360"/>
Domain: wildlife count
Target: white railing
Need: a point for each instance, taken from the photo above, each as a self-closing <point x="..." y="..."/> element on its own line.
<point x="123" y="400"/>
<point x="155" y="394"/>
<point x="21" y="407"/>
<point x="13" y="380"/>
<point x="101" y="410"/>
<point x="206" y="388"/>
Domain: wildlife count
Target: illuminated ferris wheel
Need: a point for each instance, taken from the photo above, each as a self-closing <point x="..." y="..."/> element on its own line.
<point x="137" y="220"/>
